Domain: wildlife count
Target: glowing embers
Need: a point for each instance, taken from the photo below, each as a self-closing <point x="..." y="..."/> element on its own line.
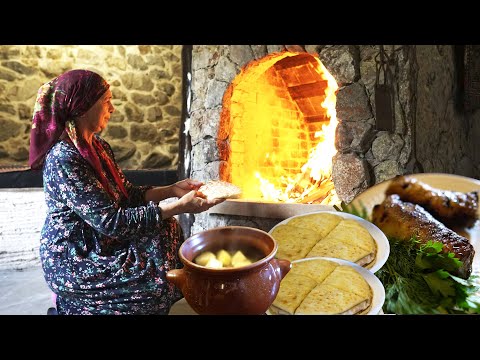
<point x="281" y="120"/>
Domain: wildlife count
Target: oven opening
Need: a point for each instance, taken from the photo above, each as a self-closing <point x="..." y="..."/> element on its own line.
<point x="277" y="130"/>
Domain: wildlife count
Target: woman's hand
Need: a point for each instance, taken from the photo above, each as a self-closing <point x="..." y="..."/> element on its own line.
<point x="188" y="203"/>
<point x="192" y="203"/>
<point x="179" y="189"/>
<point x="183" y="187"/>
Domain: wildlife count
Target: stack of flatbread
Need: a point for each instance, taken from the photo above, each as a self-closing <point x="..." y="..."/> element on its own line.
<point x="218" y="189"/>
<point x="322" y="287"/>
<point x="325" y="235"/>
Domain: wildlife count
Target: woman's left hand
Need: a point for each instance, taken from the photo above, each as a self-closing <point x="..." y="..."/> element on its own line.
<point x="183" y="187"/>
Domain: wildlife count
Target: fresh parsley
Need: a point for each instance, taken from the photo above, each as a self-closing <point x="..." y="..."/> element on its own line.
<point x="417" y="279"/>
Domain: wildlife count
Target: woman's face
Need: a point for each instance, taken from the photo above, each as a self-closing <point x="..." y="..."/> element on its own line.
<point x="96" y="118"/>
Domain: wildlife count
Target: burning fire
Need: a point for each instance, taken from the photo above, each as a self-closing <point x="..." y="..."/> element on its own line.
<point x="297" y="166"/>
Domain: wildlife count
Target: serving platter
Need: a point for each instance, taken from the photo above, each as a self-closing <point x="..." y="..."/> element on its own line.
<point x="376" y="194"/>
<point x="382" y="244"/>
<point x="378" y="292"/>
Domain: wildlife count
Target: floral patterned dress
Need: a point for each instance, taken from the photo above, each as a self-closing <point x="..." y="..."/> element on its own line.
<point x="104" y="255"/>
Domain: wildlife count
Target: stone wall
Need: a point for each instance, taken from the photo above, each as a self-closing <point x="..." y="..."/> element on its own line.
<point x="146" y="82"/>
<point x="447" y="140"/>
<point x="367" y="156"/>
<point x="473" y="134"/>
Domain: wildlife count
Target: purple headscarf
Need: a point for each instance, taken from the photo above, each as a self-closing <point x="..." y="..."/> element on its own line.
<point x="59" y="101"/>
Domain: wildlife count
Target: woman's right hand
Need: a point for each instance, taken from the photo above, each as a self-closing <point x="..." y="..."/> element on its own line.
<point x="182" y="187"/>
<point x="188" y="203"/>
<point x="191" y="203"/>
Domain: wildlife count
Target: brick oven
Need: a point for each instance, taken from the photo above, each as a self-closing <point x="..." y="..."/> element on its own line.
<point x="294" y="126"/>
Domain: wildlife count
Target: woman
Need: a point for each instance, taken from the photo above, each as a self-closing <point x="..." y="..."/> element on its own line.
<point x="106" y="245"/>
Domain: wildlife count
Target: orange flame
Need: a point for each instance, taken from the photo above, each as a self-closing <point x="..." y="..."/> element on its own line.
<point x="279" y="174"/>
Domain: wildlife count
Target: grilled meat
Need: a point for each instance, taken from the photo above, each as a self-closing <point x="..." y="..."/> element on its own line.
<point x="450" y="207"/>
<point x="402" y="220"/>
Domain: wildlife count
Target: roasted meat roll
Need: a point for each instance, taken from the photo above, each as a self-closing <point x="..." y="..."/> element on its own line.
<point x="450" y="207"/>
<point x="402" y="220"/>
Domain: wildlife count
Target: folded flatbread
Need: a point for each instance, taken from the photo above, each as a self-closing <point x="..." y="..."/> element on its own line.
<point x="328" y="300"/>
<point x="348" y="279"/>
<point x="294" y="242"/>
<point x="341" y="249"/>
<point x="319" y="286"/>
<point x="335" y="236"/>
<point x="218" y="189"/>
<point x="293" y="289"/>
<point x="317" y="269"/>
<point x="320" y="223"/>
<point x="349" y="240"/>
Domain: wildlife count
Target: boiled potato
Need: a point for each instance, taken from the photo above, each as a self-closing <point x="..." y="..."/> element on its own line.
<point x="204" y="257"/>
<point x="238" y="257"/>
<point x="241" y="263"/>
<point x="224" y="257"/>
<point x="214" y="263"/>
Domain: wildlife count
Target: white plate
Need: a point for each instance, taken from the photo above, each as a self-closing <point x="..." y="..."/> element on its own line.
<point x="383" y="246"/>
<point x="375" y="284"/>
<point x="376" y="194"/>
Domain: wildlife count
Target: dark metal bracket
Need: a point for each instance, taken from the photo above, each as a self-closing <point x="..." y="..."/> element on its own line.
<point x="384" y="92"/>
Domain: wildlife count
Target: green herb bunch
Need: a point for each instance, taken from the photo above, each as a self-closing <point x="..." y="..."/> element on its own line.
<point x="360" y="211"/>
<point x="418" y="280"/>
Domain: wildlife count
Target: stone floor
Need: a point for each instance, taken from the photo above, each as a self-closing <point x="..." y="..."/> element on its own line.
<point x="24" y="292"/>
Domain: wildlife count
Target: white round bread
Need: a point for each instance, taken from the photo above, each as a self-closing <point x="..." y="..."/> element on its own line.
<point x="218" y="189"/>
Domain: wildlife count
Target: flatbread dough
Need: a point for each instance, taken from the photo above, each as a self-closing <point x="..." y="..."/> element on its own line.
<point x="218" y="189"/>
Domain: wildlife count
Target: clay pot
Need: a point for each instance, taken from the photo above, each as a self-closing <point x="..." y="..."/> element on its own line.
<point x="246" y="290"/>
